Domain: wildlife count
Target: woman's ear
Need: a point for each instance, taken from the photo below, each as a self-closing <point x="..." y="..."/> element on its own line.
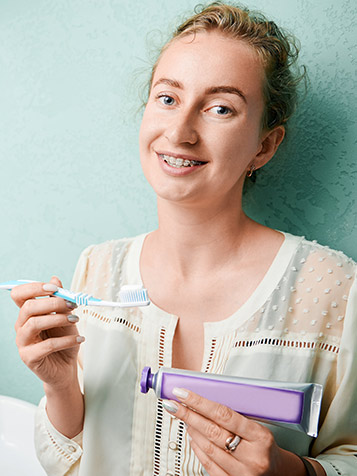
<point x="269" y="145"/>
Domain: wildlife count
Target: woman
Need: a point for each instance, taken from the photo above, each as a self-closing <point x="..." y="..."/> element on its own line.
<point x="228" y="295"/>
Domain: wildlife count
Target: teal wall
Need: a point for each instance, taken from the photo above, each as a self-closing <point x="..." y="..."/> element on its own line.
<point x="70" y="72"/>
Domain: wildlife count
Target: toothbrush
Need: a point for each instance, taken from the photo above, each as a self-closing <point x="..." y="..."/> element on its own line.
<point x="129" y="295"/>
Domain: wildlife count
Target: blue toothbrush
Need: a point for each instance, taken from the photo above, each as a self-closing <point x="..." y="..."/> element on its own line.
<point x="129" y="295"/>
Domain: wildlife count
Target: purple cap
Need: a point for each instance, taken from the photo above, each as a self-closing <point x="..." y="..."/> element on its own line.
<point x="146" y="380"/>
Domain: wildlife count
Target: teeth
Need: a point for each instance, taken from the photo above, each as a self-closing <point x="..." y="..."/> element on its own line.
<point x="178" y="163"/>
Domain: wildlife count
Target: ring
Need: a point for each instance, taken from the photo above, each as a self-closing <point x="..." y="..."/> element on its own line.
<point x="231" y="443"/>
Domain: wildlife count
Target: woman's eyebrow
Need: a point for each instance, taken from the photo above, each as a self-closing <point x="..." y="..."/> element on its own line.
<point x="211" y="90"/>
<point x="169" y="82"/>
<point x="226" y="89"/>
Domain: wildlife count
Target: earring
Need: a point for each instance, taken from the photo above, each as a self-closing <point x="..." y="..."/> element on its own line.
<point x="251" y="170"/>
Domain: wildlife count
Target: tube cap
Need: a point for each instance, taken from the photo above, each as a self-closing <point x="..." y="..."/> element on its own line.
<point x="146" y="379"/>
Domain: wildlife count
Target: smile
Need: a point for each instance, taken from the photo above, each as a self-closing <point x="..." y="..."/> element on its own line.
<point x="178" y="162"/>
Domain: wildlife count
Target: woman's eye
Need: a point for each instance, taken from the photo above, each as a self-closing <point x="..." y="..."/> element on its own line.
<point x="166" y="100"/>
<point x="221" y="110"/>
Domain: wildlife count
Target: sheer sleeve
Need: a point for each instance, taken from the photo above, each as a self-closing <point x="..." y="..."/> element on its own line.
<point x="336" y="446"/>
<point x="58" y="454"/>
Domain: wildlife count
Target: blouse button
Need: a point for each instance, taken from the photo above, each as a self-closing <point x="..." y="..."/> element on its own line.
<point x="172" y="446"/>
<point x="72" y="449"/>
<point x="169" y="473"/>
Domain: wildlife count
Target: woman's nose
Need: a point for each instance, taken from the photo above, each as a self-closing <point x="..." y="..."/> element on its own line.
<point x="182" y="128"/>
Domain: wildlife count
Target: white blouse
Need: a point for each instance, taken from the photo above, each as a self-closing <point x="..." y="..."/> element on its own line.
<point x="299" y="325"/>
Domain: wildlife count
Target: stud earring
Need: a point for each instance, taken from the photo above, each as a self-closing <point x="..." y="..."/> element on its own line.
<point x="251" y="170"/>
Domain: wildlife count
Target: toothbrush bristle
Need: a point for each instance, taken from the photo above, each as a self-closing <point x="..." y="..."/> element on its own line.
<point x="133" y="294"/>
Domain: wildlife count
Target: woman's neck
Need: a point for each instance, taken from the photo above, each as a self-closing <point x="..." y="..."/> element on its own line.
<point x="195" y="241"/>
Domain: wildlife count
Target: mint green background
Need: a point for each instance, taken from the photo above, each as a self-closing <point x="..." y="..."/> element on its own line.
<point x="70" y="76"/>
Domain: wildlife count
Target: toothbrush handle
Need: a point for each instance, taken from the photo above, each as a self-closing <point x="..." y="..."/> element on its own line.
<point x="67" y="295"/>
<point x="78" y="298"/>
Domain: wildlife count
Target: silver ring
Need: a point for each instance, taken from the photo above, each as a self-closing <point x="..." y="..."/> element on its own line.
<point x="231" y="443"/>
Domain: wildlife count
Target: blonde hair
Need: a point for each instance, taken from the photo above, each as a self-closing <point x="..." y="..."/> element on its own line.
<point x="277" y="49"/>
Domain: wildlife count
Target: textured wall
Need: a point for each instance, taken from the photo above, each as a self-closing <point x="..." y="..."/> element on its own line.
<point x="70" y="175"/>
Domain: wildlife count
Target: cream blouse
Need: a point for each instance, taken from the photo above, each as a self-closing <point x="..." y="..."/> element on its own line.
<point x="300" y="325"/>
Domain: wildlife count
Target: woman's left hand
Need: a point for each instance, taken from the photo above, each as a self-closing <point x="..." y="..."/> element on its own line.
<point x="210" y="425"/>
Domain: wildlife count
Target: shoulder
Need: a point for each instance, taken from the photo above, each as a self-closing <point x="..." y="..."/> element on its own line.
<point x="97" y="261"/>
<point x="321" y="285"/>
<point x="322" y="256"/>
<point x="323" y="271"/>
<point x="329" y="260"/>
<point x="100" y="251"/>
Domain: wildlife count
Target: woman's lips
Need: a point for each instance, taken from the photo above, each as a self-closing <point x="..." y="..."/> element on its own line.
<point x="178" y="165"/>
<point x="179" y="156"/>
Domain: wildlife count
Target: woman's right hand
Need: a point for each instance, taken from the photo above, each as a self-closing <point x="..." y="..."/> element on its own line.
<point x="46" y="333"/>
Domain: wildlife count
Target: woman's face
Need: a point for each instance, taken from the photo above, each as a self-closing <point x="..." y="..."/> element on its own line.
<point x="201" y="128"/>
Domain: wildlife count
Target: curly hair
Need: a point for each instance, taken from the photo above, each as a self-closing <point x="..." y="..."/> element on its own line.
<point x="277" y="49"/>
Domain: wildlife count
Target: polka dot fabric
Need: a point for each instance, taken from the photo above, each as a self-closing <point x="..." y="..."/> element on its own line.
<point x="299" y="325"/>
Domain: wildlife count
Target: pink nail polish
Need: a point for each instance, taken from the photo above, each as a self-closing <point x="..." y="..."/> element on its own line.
<point x="171" y="407"/>
<point x="49" y="287"/>
<point x="180" y="392"/>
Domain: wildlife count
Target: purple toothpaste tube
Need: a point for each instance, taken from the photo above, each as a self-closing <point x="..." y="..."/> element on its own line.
<point x="292" y="405"/>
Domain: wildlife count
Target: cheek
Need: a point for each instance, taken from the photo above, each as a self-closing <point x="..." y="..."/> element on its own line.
<point x="148" y="131"/>
<point x="143" y="131"/>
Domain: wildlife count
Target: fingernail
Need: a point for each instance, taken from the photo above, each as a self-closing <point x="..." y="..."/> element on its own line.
<point x="73" y="318"/>
<point x="180" y="392"/>
<point x="71" y="305"/>
<point x="80" y="339"/>
<point x="50" y="287"/>
<point x="171" y="407"/>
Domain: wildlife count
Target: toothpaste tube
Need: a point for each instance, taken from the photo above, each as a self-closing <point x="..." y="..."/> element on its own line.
<point x="292" y="405"/>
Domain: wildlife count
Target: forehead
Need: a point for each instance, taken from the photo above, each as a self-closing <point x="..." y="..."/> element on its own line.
<point x="208" y="59"/>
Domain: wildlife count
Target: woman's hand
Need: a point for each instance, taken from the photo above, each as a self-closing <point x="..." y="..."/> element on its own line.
<point x="46" y="334"/>
<point x="209" y="426"/>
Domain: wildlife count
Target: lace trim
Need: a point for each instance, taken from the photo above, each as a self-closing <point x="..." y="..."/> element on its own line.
<point x="59" y="449"/>
<point x="335" y="468"/>
<point x="160" y="411"/>
<point x="313" y="345"/>
<point x="211" y="355"/>
<point x="157" y="443"/>
<point x="179" y="449"/>
<point x="118" y="320"/>
<point x="162" y="346"/>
